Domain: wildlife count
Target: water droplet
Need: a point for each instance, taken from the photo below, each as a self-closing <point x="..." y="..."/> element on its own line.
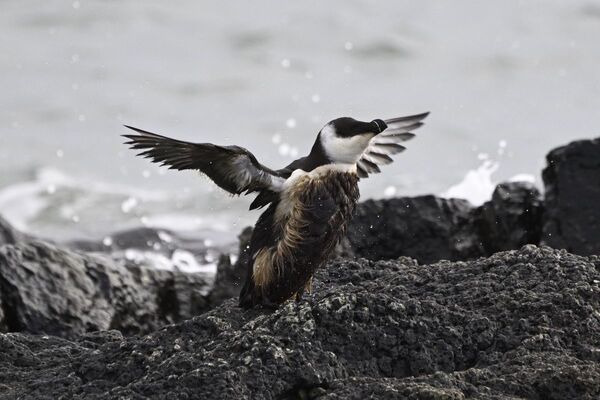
<point x="129" y="204"/>
<point x="284" y="149"/>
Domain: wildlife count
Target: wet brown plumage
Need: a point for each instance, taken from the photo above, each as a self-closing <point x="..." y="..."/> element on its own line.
<point x="302" y="237"/>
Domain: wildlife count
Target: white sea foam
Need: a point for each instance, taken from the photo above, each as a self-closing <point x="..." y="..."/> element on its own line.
<point x="522" y="178"/>
<point x="181" y="260"/>
<point x="185" y="261"/>
<point x="22" y="201"/>
<point x="52" y="201"/>
<point x="148" y="259"/>
<point x="477" y="185"/>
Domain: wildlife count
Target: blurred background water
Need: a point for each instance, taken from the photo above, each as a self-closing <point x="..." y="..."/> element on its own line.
<point x="505" y="82"/>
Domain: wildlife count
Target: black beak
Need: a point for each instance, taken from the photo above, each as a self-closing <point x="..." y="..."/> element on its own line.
<point x="378" y="126"/>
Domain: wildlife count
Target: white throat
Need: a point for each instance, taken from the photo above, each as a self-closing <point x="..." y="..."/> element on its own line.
<point x="342" y="150"/>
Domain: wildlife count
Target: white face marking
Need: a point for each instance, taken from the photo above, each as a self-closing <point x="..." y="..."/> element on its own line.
<point x="344" y="150"/>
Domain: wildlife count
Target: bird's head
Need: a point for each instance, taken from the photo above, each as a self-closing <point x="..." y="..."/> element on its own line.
<point x="345" y="139"/>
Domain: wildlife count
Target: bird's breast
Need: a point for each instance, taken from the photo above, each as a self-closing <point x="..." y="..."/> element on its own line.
<point x="303" y="190"/>
<point x="310" y="217"/>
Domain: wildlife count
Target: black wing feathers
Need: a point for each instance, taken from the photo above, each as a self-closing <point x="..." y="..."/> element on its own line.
<point x="232" y="168"/>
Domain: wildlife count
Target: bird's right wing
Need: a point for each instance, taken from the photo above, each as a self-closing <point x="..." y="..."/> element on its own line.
<point x="232" y="168"/>
<point x="387" y="143"/>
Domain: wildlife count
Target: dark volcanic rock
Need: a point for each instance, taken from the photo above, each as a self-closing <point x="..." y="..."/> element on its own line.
<point x="426" y="228"/>
<point x="572" y="180"/>
<point x="228" y="282"/>
<point x="244" y="247"/>
<point x="230" y="277"/>
<point x="512" y="218"/>
<point x="45" y="289"/>
<point x="430" y="228"/>
<point x="520" y="324"/>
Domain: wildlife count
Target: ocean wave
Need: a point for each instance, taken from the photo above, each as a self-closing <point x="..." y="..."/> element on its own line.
<point x="477" y="186"/>
<point x="57" y="205"/>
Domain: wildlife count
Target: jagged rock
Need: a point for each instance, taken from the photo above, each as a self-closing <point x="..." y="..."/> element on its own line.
<point x="230" y="277"/>
<point x="512" y="218"/>
<point x="427" y="228"/>
<point x="520" y="324"/>
<point x="227" y="282"/>
<point x="430" y="228"/>
<point x="572" y="181"/>
<point x="46" y="289"/>
<point x="244" y="247"/>
<point x="8" y="234"/>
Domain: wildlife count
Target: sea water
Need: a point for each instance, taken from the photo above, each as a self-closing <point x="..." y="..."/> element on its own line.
<point x="505" y="82"/>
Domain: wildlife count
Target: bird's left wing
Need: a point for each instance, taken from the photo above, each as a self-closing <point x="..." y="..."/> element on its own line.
<point x="387" y="143"/>
<point x="232" y="168"/>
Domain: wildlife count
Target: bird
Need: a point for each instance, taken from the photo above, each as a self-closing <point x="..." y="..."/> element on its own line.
<point x="308" y="203"/>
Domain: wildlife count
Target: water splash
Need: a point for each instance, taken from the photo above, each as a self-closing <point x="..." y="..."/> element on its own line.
<point x="477" y="186"/>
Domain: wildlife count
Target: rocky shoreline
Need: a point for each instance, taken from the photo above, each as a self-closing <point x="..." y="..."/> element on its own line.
<point x="505" y="317"/>
<point x="520" y="324"/>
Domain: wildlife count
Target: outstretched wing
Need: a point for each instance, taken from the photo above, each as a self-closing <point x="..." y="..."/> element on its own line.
<point x="387" y="143"/>
<point x="232" y="168"/>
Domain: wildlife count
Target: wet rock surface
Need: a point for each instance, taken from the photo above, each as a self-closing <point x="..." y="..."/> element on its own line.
<point x="520" y="324"/>
<point x="572" y="181"/>
<point x="50" y="290"/>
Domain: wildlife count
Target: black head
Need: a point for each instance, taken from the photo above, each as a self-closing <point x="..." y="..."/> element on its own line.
<point x="345" y="139"/>
<point x="347" y="127"/>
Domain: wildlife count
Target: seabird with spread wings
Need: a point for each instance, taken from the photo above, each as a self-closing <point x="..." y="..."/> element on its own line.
<point x="309" y="202"/>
